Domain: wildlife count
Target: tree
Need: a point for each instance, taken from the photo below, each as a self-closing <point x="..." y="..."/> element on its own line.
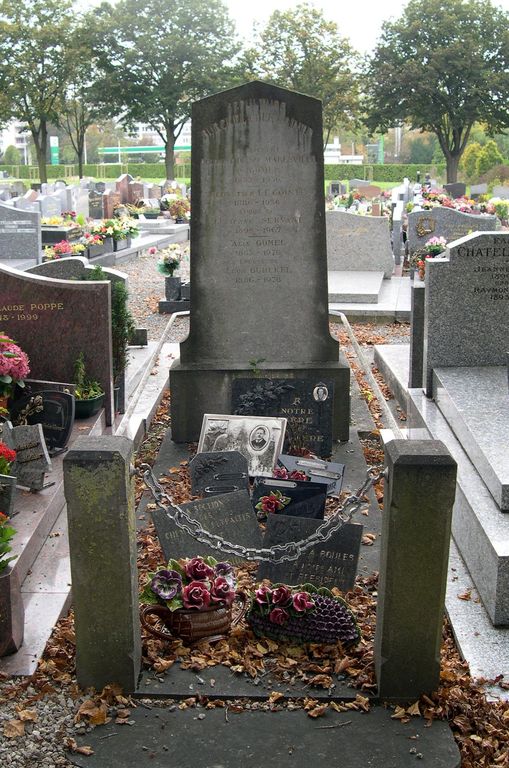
<point x="35" y="65"/>
<point x="300" y="49"/>
<point x="157" y="59"/>
<point x="11" y="156"/>
<point x="489" y="156"/>
<point x="470" y="159"/>
<point x="441" y="67"/>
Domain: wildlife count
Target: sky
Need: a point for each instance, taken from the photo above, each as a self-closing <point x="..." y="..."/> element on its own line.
<point x="359" y="21"/>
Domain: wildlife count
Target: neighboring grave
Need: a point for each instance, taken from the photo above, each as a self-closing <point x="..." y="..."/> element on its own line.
<point x="218" y="472"/>
<point x="54" y="320"/>
<point x="478" y="189"/>
<point x="356" y="183"/>
<point x="95" y="204"/>
<point x="370" y="191"/>
<point x="74" y="268"/>
<point x="332" y="563"/>
<point x="502" y="192"/>
<point x="136" y="191"/>
<point x="358" y="243"/>
<point x="259" y="268"/>
<point x="122" y="187"/>
<point x="305" y="403"/>
<point x="467" y="305"/>
<point x="230" y="516"/>
<point x="20" y="234"/>
<point x="110" y="200"/>
<point x="50" y="205"/>
<point x="444" y="222"/>
<point x="456" y="189"/>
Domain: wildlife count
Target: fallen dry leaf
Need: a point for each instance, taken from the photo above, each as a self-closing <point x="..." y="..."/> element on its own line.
<point x="27" y="714"/>
<point x="72" y="745"/>
<point x="14" y="728"/>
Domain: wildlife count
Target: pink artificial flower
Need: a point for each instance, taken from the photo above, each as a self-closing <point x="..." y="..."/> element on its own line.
<point x="221" y="591"/>
<point x="263" y="595"/>
<point x="302" y="601"/>
<point x="281" y="596"/>
<point x="196" y="595"/>
<point x="279" y="616"/>
<point x="197" y="570"/>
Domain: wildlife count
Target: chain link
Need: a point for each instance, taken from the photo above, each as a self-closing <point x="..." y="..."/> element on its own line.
<point x="278" y="553"/>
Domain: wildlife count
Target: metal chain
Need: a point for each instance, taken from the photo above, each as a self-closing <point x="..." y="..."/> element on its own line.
<point x="278" y="553"/>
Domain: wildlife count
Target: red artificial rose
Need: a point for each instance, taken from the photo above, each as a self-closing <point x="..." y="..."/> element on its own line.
<point x="196" y="595"/>
<point x="221" y="591"/>
<point x="279" y="616"/>
<point x="269" y="504"/>
<point x="263" y="595"/>
<point x="281" y="596"/>
<point x="302" y="601"/>
<point x="197" y="570"/>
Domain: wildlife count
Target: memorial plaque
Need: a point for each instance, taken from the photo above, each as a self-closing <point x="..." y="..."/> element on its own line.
<point x="52" y="409"/>
<point x="326" y="472"/>
<point x="212" y="471"/>
<point x="306" y="404"/>
<point x="95" y="204"/>
<point x="20" y="234"/>
<point x="229" y="516"/>
<point x="332" y="563"/>
<point x="306" y="499"/>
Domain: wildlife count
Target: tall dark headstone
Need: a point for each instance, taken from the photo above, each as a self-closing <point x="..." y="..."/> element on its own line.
<point x="259" y="268"/>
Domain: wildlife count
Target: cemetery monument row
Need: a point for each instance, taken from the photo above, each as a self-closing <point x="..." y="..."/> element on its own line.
<point x="259" y="268"/>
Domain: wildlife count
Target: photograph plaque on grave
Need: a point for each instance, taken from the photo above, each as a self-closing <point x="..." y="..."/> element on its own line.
<point x="332" y="563"/>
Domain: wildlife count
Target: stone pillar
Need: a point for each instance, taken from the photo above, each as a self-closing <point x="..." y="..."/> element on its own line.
<point x="417" y="335"/>
<point x="102" y="538"/>
<point x="416" y="532"/>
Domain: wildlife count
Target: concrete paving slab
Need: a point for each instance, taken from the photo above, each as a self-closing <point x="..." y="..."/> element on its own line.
<point x="160" y="738"/>
<point x="355" y="287"/>
<point x="394" y="303"/>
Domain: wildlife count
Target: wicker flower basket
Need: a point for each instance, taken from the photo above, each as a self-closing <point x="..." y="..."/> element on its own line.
<point x="193" y="626"/>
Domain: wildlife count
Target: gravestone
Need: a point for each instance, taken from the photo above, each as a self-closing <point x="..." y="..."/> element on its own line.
<point x="305" y="403"/>
<point x="136" y="191"/>
<point x="229" y="516"/>
<point x="369" y="191"/>
<point x="32" y="458"/>
<point x="74" y="268"/>
<point x="110" y="201"/>
<point x="336" y="188"/>
<point x="53" y="409"/>
<point x="18" y="188"/>
<point x="467" y="305"/>
<point x="444" y="222"/>
<point x="478" y="189"/>
<point x="502" y="192"/>
<point x="95" y="204"/>
<point x="50" y="205"/>
<point x="212" y="471"/>
<point x="26" y="204"/>
<point x="54" y="320"/>
<point x="357" y="183"/>
<point x="154" y="191"/>
<point x="259" y="270"/>
<point x="332" y="563"/>
<point x="456" y="189"/>
<point x="20" y="234"/>
<point x="122" y="187"/>
<point x="358" y="243"/>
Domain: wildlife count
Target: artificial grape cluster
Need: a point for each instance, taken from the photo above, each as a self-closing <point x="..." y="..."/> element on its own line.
<point x="329" y="622"/>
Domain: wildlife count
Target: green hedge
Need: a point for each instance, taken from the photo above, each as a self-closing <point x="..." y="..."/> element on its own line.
<point x="395" y="172"/>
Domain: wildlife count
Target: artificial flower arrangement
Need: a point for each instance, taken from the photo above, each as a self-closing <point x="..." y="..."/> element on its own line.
<point x="6" y="535"/>
<point x="90" y="239"/>
<point x="193" y="584"/>
<point x="7" y="458"/>
<point x="272" y="503"/>
<point x="14" y="366"/>
<point x="283" y="474"/>
<point x="118" y="229"/>
<point x="179" y="208"/>
<point x="301" y="614"/>
<point x="432" y="248"/>
<point x="170" y="258"/>
<point x="62" y="249"/>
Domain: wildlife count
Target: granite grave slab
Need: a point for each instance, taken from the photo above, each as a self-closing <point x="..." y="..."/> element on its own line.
<point x="213" y="472"/>
<point x="332" y="563"/>
<point x="466" y="312"/>
<point x="306" y="404"/>
<point x="95" y="204"/>
<point x="445" y="222"/>
<point x="229" y="515"/>
<point x="69" y="315"/>
<point x="20" y="234"/>
<point x="456" y="189"/>
<point x="358" y="243"/>
<point x="259" y="239"/>
<point x="32" y="457"/>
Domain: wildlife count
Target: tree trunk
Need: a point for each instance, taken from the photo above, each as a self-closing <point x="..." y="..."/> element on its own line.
<point x="80" y="147"/>
<point x="169" y="161"/>
<point x="41" y="145"/>
<point x="453" y="161"/>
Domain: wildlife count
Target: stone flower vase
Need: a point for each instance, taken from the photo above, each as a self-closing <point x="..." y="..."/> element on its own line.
<point x="172" y="288"/>
<point x="12" y="613"/>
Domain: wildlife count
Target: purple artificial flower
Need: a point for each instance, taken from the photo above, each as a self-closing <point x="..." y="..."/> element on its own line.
<point x="226" y="571"/>
<point x="166" y="584"/>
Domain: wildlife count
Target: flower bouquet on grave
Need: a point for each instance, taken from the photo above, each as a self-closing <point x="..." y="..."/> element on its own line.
<point x="302" y="614"/>
<point x="180" y="209"/>
<point x="191" y="599"/>
<point x="170" y="259"/>
<point x="14" y="368"/>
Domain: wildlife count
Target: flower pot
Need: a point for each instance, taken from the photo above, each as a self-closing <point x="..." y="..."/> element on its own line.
<point x="95" y="250"/>
<point x="108" y="244"/>
<point x="83" y="409"/>
<point x="7" y="493"/>
<point x="12" y="613"/>
<point x="172" y="288"/>
<point x="192" y="626"/>
<point x="121" y="245"/>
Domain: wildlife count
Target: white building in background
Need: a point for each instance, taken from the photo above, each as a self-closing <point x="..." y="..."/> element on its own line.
<point x="145" y="132"/>
<point x="332" y="155"/>
<point x="12" y="136"/>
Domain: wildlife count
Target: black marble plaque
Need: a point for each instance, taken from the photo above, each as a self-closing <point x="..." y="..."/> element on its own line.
<point x="305" y="403"/>
<point x="95" y="204"/>
<point x="53" y="410"/>
<point x="332" y="563"/>
<point x="326" y="472"/>
<point x="229" y="515"/>
<point x="307" y="499"/>
<point x="218" y="472"/>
